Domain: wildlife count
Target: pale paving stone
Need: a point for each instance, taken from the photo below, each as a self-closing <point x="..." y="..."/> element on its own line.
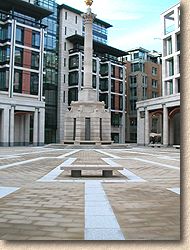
<point x="143" y="210"/>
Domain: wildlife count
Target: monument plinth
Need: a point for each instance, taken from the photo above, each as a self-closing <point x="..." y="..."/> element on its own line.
<point x="87" y="121"/>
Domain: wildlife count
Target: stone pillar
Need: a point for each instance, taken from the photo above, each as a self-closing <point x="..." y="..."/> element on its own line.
<point x="165" y="126"/>
<point x="27" y="129"/>
<point x="12" y="125"/>
<point x="140" y="128"/>
<point x="5" y="128"/>
<point x="88" y="52"/>
<point x="88" y="93"/>
<point x="41" y="126"/>
<point x="22" y="130"/>
<point x="147" y="132"/>
<point x="35" y="128"/>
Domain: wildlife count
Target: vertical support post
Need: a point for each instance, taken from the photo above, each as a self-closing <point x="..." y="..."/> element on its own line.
<point x="35" y="128"/>
<point x="41" y="126"/>
<point x="146" y="127"/>
<point x="27" y="129"/>
<point x="12" y="125"/>
<point x="165" y="126"/>
<point x="5" y="128"/>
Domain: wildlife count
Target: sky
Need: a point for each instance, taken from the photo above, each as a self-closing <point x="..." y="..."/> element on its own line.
<point x="136" y="23"/>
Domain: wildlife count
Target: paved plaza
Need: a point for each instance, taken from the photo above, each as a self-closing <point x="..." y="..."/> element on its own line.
<point x="41" y="201"/>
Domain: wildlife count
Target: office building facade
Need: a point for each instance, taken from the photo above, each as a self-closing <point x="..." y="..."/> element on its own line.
<point x="144" y="82"/>
<point x="22" y="104"/>
<point x="167" y="107"/>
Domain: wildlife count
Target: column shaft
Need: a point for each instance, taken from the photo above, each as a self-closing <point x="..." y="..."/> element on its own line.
<point x="147" y="133"/>
<point x="12" y="125"/>
<point x="165" y="126"/>
<point x="35" y="128"/>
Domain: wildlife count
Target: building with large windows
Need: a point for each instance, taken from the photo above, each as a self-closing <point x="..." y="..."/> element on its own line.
<point x="50" y="67"/>
<point x="22" y="104"/>
<point x="166" y="107"/>
<point x="144" y="82"/>
<point x="108" y="73"/>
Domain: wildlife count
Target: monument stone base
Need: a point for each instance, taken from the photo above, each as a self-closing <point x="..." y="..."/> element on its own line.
<point x="87" y="123"/>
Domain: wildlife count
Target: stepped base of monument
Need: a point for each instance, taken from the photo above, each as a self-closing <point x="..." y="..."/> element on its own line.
<point x="89" y="146"/>
<point x="87" y="142"/>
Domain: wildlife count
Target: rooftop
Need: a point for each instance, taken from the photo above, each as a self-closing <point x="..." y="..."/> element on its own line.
<point x="64" y="6"/>
<point x="25" y="8"/>
<point x="98" y="47"/>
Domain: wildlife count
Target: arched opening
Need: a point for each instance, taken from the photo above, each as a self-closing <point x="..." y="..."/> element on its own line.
<point x="174" y="117"/>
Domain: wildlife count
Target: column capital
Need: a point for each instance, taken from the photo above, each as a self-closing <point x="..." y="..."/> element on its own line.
<point x="88" y="16"/>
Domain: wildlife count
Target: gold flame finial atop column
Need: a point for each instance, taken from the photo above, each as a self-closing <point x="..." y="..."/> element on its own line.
<point x="88" y="2"/>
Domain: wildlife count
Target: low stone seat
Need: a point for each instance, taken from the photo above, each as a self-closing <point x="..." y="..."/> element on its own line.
<point x="107" y="170"/>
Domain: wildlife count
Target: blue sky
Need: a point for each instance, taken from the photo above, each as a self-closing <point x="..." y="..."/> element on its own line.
<point x="136" y="23"/>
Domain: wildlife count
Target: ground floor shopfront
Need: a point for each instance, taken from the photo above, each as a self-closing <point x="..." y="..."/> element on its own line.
<point x="160" y="117"/>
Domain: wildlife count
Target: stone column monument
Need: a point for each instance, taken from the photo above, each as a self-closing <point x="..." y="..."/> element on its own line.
<point x="87" y="122"/>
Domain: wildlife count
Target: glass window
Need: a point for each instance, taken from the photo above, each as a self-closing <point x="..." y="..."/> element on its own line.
<point x="120" y="73"/>
<point x="121" y="88"/>
<point x="76" y="19"/>
<point x="35" y="60"/>
<point x="112" y="101"/>
<point x="154" y="83"/>
<point x="104" y="69"/>
<point x="115" y="119"/>
<point x="154" y="71"/>
<point x="5" y="32"/>
<point x="120" y="103"/>
<point x="51" y="76"/>
<point x="133" y="92"/>
<point x="34" y="81"/>
<point x="72" y="95"/>
<point x="73" y="62"/>
<point x="94" y="66"/>
<point x="178" y="42"/>
<point x="170" y="64"/>
<point x="35" y="39"/>
<point x="4" y="55"/>
<point x="112" y="85"/>
<point x="73" y="78"/>
<point x="65" y="15"/>
<point x="94" y="81"/>
<point x="104" y="84"/>
<point x="154" y="94"/>
<point x="133" y="80"/>
<point x="137" y="67"/>
<point x="113" y="70"/>
<point x="169" y="46"/>
<point x="18" y="56"/>
<point x="4" y="80"/>
<point x="17" y="86"/>
<point x="136" y="55"/>
<point x="19" y="35"/>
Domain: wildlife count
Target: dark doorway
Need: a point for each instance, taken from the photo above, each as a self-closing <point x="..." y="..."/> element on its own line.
<point x="87" y="129"/>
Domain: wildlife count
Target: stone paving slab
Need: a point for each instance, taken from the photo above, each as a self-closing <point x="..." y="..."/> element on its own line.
<point x="55" y="210"/>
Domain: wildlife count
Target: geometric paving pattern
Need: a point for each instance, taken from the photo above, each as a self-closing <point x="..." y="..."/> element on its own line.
<point x="40" y="201"/>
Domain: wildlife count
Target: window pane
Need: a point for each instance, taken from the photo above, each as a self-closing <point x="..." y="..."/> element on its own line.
<point x="17" y="86"/>
<point x="34" y="80"/>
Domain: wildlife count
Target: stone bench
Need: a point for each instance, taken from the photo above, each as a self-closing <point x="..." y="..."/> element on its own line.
<point x="107" y="170"/>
